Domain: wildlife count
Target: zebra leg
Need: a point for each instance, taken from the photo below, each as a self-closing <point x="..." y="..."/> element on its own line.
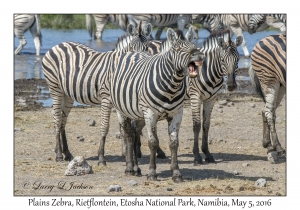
<point x="159" y="32"/>
<point x="36" y="38"/>
<point x="57" y="99"/>
<point x="139" y="125"/>
<point x="100" y="29"/>
<point x="106" y="107"/>
<point x="207" y="109"/>
<point x="66" y="108"/>
<point x="271" y="97"/>
<point x="237" y="30"/>
<point x="153" y="143"/>
<point x="174" y="125"/>
<point x="22" y="44"/>
<point x="196" y="107"/>
<point x="131" y="159"/>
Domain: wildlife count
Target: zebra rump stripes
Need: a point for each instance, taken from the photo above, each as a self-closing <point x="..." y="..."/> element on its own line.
<point x="268" y="76"/>
<point x="23" y="22"/>
<point x="75" y="72"/>
<point x="152" y="88"/>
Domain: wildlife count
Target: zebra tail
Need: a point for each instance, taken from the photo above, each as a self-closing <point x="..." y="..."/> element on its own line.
<point x="38" y="27"/>
<point x="89" y="24"/>
<point x="255" y="83"/>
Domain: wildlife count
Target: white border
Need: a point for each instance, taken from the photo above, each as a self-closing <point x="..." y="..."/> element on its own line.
<point x="8" y="201"/>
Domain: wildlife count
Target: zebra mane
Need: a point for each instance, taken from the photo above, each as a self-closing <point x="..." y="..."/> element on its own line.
<point x="211" y="40"/>
<point x="123" y="41"/>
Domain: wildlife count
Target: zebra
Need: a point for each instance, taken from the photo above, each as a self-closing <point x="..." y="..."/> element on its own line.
<point x="75" y="72"/>
<point x="220" y="59"/>
<point x="268" y="76"/>
<point x="23" y="22"/>
<point x="101" y="20"/>
<point x="152" y="88"/>
<point x="238" y="23"/>
<point x="122" y="20"/>
<point x="258" y="19"/>
<point x="210" y="22"/>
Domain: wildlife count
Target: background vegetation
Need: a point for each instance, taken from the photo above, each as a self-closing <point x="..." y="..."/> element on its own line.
<point x="71" y="21"/>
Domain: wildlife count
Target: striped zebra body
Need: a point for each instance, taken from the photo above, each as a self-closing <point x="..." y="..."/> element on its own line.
<point x="164" y="20"/>
<point x="268" y="76"/>
<point x="238" y="23"/>
<point x="220" y="59"/>
<point x="23" y="22"/>
<point x="152" y="88"/>
<point x="75" y="72"/>
<point x="210" y="22"/>
<point x="258" y="19"/>
<point x="101" y="20"/>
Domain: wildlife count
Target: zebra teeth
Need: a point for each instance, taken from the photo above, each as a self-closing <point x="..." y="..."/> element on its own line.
<point x="198" y="63"/>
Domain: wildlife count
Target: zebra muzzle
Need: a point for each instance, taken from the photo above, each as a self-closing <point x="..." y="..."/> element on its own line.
<point x="194" y="67"/>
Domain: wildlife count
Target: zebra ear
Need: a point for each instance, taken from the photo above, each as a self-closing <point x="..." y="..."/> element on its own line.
<point x="171" y="35"/>
<point x="147" y="29"/>
<point x="238" y="41"/>
<point x="221" y="42"/>
<point x="190" y="34"/>
<point x="131" y="29"/>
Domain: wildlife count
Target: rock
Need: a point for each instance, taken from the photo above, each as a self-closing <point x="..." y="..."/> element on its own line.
<point x="235" y="172"/>
<point x="78" y="166"/>
<point x="252" y="105"/>
<point x="230" y="104"/>
<point x="91" y="122"/>
<point x="186" y="147"/>
<point x="19" y="129"/>
<point x="132" y="183"/>
<point x="114" y="188"/>
<point x="273" y="157"/>
<point x="246" y="164"/>
<point x="223" y="102"/>
<point x="220" y="110"/>
<point x="80" y="138"/>
<point x="169" y="189"/>
<point x="261" y="182"/>
<point x="118" y="135"/>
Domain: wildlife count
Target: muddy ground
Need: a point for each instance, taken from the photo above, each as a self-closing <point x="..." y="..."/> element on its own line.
<point x="235" y="141"/>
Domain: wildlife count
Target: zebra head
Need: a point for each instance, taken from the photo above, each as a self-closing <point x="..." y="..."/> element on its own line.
<point x="255" y="22"/>
<point x="186" y="58"/>
<point x="210" y="22"/>
<point x="136" y="39"/>
<point x="229" y="57"/>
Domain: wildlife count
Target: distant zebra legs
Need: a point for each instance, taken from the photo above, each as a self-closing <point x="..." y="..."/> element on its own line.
<point x="23" y="22"/>
<point x="268" y="76"/>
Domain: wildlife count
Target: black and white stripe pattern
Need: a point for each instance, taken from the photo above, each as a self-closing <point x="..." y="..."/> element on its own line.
<point x="238" y="23"/>
<point x="268" y="76"/>
<point x="152" y="88"/>
<point x="23" y="22"/>
<point x="258" y="19"/>
<point x="101" y="20"/>
<point x="75" y="72"/>
<point x="220" y="60"/>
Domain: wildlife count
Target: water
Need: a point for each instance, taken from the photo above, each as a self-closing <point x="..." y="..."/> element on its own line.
<point x="27" y="65"/>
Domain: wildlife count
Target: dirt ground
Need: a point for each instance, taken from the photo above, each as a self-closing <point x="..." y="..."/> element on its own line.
<point x="235" y="141"/>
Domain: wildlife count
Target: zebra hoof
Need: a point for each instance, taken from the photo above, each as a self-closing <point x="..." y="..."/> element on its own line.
<point x="152" y="177"/>
<point x="177" y="179"/>
<point x="198" y="161"/>
<point x="129" y="172"/>
<point x="59" y="158"/>
<point x="102" y="163"/>
<point x="68" y="156"/>
<point x="138" y="172"/>
<point x="210" y="159"/>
